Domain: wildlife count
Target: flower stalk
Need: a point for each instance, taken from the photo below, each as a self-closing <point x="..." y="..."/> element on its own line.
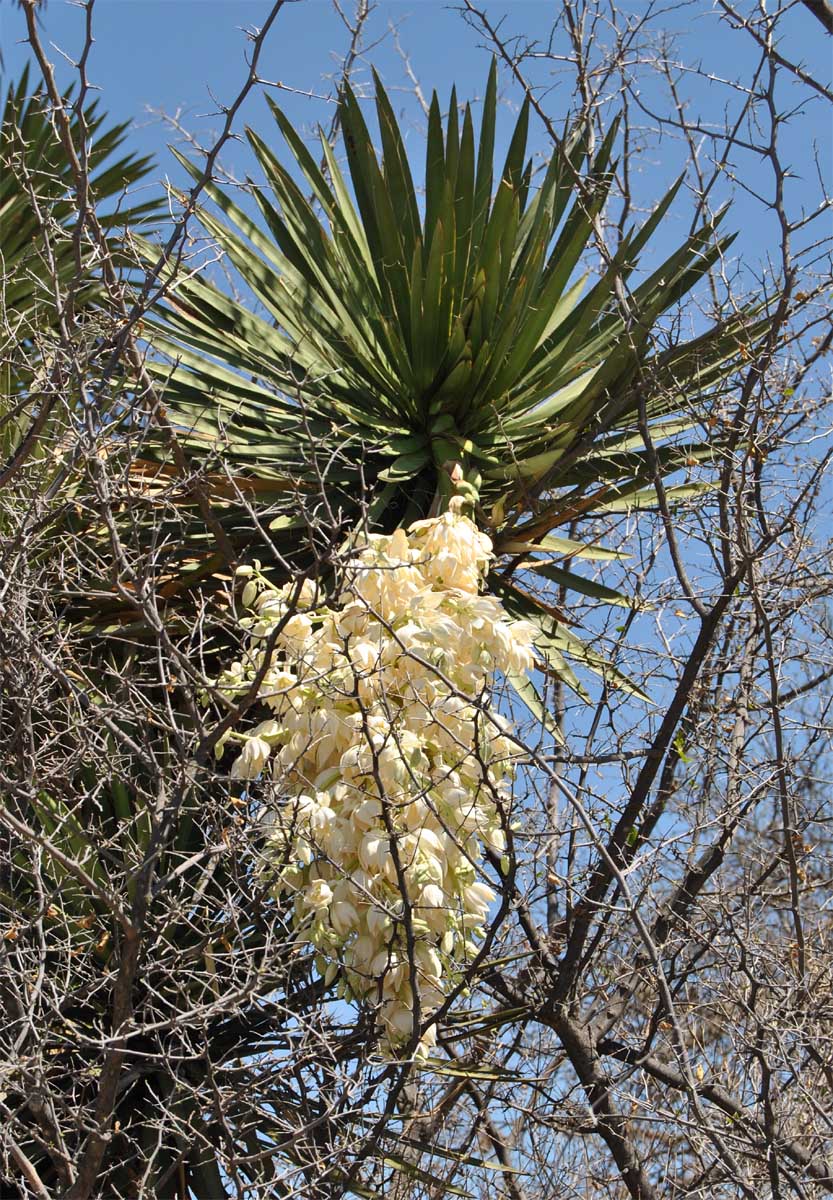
<point x="391" y="785"/>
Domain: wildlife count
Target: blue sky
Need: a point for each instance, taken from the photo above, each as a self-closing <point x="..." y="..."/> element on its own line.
<point x="174" y="55"/>
<point x="183" y="57"/>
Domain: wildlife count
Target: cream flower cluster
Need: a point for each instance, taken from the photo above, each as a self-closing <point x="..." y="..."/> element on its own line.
<point x="392" y="778"/>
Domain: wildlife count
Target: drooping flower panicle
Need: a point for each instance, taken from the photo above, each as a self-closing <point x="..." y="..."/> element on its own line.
<point x="392" y="777"/>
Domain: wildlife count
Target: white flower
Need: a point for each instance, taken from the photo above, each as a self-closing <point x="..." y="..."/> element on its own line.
<point x="364" y="655"/>
<point x="277" y="684"/>
<point x="388" y="966"/>
<point x="343" y="916"/>
<point x="477" y="897"/>
<point x="374" y="852"/>
<point x="252" y="759"/>
<point x="321" y="821"/>
<point x="318" y="895"/>
<point x="398" y="1020"/>
<point x="393" y="771"/>
<point x="398" y="547"/>
<point x="296" y="632"/>
<point x="270" y="731"/>
<point x="426" y="1043"/>
<point x="379" y="923"/>
<point x="429" y="961"/>
<point x="361" y="953"/>
<point x="432" y="896"/>
<point x="496" y="840"/>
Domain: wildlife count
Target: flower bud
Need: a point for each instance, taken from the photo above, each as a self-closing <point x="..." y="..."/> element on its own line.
<point x="249" y="594"/>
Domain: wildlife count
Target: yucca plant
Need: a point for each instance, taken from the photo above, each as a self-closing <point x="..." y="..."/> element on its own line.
<point x="409" y="347"/>
<point x="43" y="264"/>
